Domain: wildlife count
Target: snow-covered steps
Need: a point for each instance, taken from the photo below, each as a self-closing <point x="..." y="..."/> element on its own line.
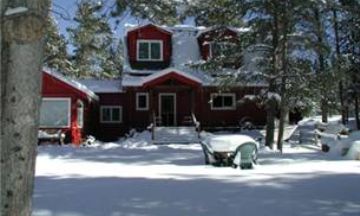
<point x="178" y="135"/>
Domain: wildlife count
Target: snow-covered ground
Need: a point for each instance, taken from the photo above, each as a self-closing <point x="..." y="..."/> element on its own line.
<point x="135" y="178"/>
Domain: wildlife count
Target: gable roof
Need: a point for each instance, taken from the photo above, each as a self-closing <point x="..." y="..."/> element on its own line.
<point x="185" y="72"/>
<point x="171" y="73"/>
<point x="71" y="82"/>
<point x="163" y="29"/>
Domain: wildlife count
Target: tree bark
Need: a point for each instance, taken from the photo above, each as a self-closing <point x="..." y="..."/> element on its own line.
<point x="343" y="109"/>
<point x="357" y="118"/>
<point x="271" y="103"/>
<point x="21" y="62"/>
<point x="270" y="122"/>
<point x="320" y="39"/>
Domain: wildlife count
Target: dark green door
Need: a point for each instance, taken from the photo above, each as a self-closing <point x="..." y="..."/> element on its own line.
<point x="167" y="109"/>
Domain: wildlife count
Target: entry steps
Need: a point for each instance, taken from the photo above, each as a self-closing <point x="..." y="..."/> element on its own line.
<point x="176" y="135"/>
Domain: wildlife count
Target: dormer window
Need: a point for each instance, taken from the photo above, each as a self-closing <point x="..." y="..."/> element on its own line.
<point x="149" y="50"/>
<point x="220" y="49"/>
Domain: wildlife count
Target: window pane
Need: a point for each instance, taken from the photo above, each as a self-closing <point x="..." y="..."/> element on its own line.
<point x="54" y="113"/>
<point x="80" y="115"/>
<point x="228" y="101"/>
<point x="106" y="114"/>
<point x="115" y="114"/>
<point x="143" y="50"/>
<point x="217" y="101"/>
<point x="142" y="101"/>
<point x="155" y="51"/>
<point x="215" y="49"/>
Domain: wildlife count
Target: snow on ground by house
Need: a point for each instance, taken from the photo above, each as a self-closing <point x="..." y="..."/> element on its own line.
<point x="135" y="178"/>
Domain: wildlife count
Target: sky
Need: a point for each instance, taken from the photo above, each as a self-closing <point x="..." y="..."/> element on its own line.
<point x="64" y="11"/>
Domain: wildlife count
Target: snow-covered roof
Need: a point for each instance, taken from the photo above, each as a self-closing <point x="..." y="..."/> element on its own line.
<point x="197" y="76"/>
<point x="73" y="83"/>
<point x="103" y="86"/>
<point x="234" y="29"/>
<point x="131" y="27"/>
<point x="185" y="46"/>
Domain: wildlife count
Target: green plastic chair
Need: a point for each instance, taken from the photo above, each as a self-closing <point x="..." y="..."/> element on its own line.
<point x="245" y="156"/>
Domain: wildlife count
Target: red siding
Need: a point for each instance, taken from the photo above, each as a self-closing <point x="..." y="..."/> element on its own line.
<point x="148" y="32"/>
<point x="216" y="34"/>
<point x="227" y="118"/>
<point x="112" y="131"/>
<point x="53" y="87"/>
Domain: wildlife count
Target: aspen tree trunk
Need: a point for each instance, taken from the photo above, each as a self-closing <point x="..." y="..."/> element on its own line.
<point x="22" y="30"/>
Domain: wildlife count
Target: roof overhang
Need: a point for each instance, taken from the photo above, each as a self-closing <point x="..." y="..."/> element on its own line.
<point x="77" y="86"/>
<point x="171" y="74"/>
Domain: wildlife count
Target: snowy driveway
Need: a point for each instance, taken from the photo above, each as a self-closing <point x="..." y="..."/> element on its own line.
<point x="143" y="180"/>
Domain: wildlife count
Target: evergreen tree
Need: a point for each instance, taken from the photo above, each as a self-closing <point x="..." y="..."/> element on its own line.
<point x="55" y="53"/>
<point x="93" y="41"/>
<point x="158" y="11"/>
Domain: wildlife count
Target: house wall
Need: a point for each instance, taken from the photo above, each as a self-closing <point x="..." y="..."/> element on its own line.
<point x="149" y="32"/>
<point x="55" y="88"/>
<point x="112" y="131"/>
<point x="230" y="118"/>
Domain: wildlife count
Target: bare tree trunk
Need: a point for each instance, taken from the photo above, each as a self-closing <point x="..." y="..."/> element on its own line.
<point x="341" y="82"/>
<point x="320" y="39"/>
<point x="22" y="30"/>
<point x="357" y="118"/>
<point x="271" y="104"/>
<point x="283" y="113"/>
<point x="270" y="122"/>
<point x="324" y="111"/>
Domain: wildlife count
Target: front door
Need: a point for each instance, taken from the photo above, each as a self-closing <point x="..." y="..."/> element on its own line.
<point x="167" y="108"/>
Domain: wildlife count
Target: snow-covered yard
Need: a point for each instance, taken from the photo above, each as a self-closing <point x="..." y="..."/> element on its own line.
<point x="140" y="179"/>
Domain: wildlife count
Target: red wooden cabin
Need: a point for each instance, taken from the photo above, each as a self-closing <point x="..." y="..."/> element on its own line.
<point x="157" y="88"/>
<point x="67" y="106"/>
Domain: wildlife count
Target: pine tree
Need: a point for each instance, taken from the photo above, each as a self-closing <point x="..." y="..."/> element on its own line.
<point x="55" y="53"/>
<point x="158" y="11"/>
<point x="93" y="41"/>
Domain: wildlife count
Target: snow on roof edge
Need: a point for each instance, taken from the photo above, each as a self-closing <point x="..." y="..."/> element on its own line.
<point x="131" y="27"/>
<point x="77" y="85"/>
<point x="170" y="70"/>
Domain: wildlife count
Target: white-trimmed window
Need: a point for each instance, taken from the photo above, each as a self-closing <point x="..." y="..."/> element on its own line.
<point x="149" y="50"/>
<point x="221" y="48"/>
<point x="142" y="101"/>
<point x="111" y="114"/>
<point x="55" y="113"/>
<point x="80" y="114"/>
<point x="222" y="101"/>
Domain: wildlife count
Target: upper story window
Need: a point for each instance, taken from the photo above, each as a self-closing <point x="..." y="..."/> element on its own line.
<point x="223" y="101"/>
<point x="149" y="50"/>
<point x="221" y="49"/>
